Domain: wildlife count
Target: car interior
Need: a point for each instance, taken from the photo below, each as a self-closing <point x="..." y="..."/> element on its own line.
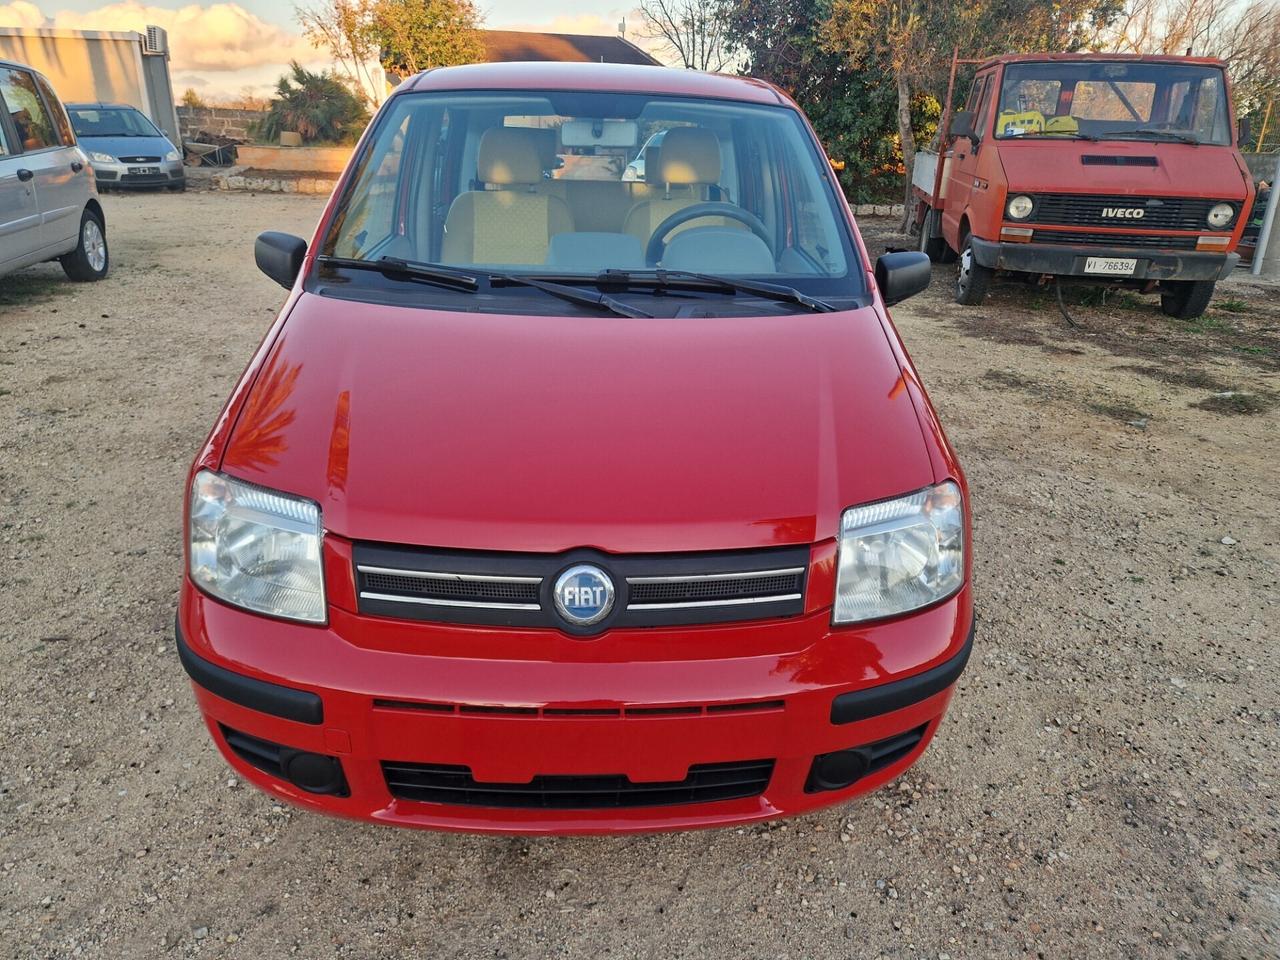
<point x="551" y="192"/>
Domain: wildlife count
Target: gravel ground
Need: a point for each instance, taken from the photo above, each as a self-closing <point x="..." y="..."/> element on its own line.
<point x="1105" y="785"/>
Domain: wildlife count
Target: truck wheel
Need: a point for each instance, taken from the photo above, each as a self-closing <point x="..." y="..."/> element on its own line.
<point x="972" y="279"/>
<point x="1185" y="299"/>
<point x="934" y="247"/>
<point x="90" y="259"/>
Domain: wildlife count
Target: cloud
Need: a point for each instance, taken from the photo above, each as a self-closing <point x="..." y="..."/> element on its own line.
<point x="21" y="14"/>
<point x="219" y="37"/>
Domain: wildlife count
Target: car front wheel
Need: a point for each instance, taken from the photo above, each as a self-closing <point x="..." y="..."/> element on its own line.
<point x="972" y="278"/>
<point x="1185" y="299"/>
<point x="90" y="259"/>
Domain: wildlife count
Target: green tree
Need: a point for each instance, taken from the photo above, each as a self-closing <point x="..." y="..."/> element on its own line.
<point x="319" y="106"/>
<point x="343" y="28"/>
<point x="416" y="35"/>
<point x="191" y="99"/>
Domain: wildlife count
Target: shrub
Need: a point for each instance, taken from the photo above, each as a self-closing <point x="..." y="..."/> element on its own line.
<point x="318" y="106"/>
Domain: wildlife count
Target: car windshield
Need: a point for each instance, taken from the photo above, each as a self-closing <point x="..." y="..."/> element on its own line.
<point x="569" y="185"/>
<point x="1130" y="100"/>
<point x="111" y="122"/>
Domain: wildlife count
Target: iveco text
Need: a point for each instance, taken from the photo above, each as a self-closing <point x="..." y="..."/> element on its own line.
<point x="566" y="498"/>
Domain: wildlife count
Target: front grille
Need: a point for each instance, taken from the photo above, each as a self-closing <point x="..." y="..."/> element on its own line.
<point x="1115" y="240"/>
<point x="139" y="159"/>
<point x="1158" y="213"/>
<point x="515" y="590"/>
<point x="144" y="179"/>
<point x="743" y="588"/>
<point x="705" y="783"/>
<point x="447" y="588"/>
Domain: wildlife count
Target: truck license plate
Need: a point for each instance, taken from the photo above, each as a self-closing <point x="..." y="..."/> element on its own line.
<point x="1110" y="266"/>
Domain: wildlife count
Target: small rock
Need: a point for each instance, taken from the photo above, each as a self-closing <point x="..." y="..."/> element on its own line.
<point x="201" y="932"/>
<point x="1228" y="541"/>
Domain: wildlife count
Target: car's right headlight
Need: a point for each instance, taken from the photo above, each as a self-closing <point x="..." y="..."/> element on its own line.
<point x="900" y="555"/>
<point x="97" y="157"/>
<point x="1020" y="207"/>
<point x="256" y="548"/>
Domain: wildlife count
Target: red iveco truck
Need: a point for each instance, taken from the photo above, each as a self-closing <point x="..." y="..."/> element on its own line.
<point x="1109" y="168"/>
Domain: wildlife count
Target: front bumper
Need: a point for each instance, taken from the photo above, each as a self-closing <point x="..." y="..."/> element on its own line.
<point x="165" y="173"/>
<point x="1069" y="261"/>
<point x="579" y="710"/>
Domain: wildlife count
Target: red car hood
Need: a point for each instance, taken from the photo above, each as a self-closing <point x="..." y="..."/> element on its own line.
<point x="532" y="433"/>
<point x="1182" y="169"/>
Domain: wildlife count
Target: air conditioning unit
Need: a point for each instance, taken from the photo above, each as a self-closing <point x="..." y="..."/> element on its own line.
<point x="156" y="42"/>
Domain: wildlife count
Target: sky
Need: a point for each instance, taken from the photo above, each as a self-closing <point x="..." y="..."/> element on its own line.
<point x="221" y="48"/>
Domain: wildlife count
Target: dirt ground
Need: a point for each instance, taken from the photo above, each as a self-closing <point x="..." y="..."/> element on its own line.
<point x="1105" y="785"/>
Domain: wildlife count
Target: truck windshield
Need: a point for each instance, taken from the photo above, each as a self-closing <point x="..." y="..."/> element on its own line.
<point x="1135" y="100"/>
<point x="571" y="185"/>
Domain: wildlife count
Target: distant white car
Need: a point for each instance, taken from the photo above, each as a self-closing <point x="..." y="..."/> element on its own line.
<point x="49" y="207"/>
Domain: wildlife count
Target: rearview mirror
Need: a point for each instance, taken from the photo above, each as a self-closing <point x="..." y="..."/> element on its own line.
<point x="280" y="256"/>
<point x="962" y="125"/>
<point x="599" y="133"/>
<point x="902" y="275"/>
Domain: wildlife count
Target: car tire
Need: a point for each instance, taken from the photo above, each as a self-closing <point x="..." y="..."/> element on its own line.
<point x="935" y="248"/>
<point x="177" y="187"/>
<point x="90" y="260"/>
<point x="972" y="278"/>
<point x="1185" y="299"/>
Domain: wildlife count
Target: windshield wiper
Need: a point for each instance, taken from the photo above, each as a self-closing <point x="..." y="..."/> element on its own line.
<point x="661" y="280"/>
<point x="1167" y="134"/>
<point x="398" y="269"/>
<point x="599" y="301"/>
<point x="1056" y="134"/>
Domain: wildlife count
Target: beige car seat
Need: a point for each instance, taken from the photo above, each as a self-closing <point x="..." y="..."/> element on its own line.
<point x="688" y="160"/>
<point x="511" y="221"/>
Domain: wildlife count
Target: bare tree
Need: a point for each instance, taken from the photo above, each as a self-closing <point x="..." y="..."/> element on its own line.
<point x="343" y="28"/>
<point x="1244" y="33"/>
<point x="692" y="30"/>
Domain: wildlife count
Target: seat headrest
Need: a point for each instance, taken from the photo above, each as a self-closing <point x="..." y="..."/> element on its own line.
<point x="508" y="155"/>
<point x="688" y="155"/>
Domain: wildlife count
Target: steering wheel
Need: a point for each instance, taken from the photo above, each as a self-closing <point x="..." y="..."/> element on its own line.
<point x="658" y="241"/>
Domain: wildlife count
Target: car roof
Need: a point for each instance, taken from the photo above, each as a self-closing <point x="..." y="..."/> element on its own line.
<point x="1078" y="57"/>
<point x="597" y="77"/>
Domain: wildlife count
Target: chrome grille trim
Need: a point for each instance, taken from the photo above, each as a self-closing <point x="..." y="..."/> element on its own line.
<point x="441" y="602"/>
<point x="688" y="578"/>
<point x="714" y="603"/>
<point x="432" y="575"/>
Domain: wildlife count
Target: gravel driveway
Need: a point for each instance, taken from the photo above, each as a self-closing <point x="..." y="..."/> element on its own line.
<point x="1105" y="785"/>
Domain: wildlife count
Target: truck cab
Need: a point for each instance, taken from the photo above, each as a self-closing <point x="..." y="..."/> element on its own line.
<point x="1111" y="169"/>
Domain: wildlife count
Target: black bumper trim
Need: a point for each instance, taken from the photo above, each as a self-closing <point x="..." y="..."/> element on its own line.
<point x="1068" y="261"/>
<point x="863" y="704"/>
<point x="284" y="702"/>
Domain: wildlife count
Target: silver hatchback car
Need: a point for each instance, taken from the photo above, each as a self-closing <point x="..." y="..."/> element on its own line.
<point x="49" y="207"/>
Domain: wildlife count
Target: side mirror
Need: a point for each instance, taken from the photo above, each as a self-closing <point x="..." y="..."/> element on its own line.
<point x="962" y="125"/>
<point x="902" y="275"/>
<point x="1244" y="131"/>
<point x="280" y="256"/>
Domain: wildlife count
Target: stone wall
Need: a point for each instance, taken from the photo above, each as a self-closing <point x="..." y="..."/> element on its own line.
<point x="221" y="121"/>
<point x="1261" y="165"/>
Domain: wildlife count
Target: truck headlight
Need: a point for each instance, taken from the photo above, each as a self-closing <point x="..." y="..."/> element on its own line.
<point x="1221" y="215"/>
<point x="97" y="157"/>
<point x="1019" y="207"/>
<point x="256" y="548"/>
<point x="900" y="555"/>
<point x="172" y="156"/>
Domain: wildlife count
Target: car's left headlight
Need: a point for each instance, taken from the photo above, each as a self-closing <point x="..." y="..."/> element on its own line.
<point x="256" y="548"/>
<point x="900" y="555"/>
<point x="97" y="157"/>
<point x="172" y="156"/>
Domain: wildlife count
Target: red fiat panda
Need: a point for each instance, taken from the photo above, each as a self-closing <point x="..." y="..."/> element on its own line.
<point x="557" y="501"/>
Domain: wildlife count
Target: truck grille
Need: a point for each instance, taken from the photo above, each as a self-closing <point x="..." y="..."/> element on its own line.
<point x="1159" y="213"/>
<point x="705" y="783"/>
<point x="1143" y="240"/>
<point x="514" y="590"/>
